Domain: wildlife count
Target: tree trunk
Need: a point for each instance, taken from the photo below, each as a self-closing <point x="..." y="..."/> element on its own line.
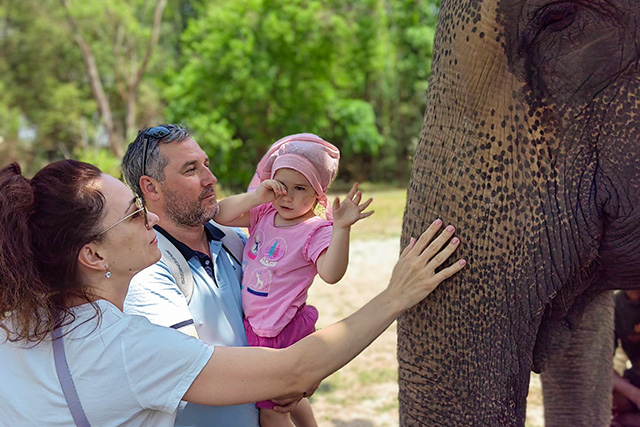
<point x="115" y="142"/>
<point x="132" y="81"/>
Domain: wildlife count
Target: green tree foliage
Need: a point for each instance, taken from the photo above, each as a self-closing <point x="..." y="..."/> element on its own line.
<point x="240" y="74"/>
<point x="41" y="80"/>
<point x="256" y="70"/>
<point x="412" y="29"/>
<point x="47" y="84"/>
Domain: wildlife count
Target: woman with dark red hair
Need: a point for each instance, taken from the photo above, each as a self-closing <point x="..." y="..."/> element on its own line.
<point x="71" y="239"/>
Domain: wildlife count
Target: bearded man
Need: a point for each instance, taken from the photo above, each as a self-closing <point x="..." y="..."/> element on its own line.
<point x="171" y="172"/>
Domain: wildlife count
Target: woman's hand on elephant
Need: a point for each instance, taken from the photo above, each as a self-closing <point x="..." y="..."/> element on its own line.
<point x="414" y="276"/>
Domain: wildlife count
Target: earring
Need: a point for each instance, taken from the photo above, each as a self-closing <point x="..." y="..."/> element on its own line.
<point x="107" y="274"/>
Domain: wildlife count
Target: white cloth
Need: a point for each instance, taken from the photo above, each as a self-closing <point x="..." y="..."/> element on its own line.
<point x="126" y="370"/>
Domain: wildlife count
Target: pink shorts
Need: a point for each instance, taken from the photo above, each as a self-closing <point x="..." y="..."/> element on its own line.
<point x="302" y="324"/>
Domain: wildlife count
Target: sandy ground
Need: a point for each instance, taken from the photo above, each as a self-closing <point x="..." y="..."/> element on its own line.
<point x="364" y="393"/>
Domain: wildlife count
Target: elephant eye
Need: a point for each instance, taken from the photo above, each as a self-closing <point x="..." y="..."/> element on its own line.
<point x="556" y="17"/>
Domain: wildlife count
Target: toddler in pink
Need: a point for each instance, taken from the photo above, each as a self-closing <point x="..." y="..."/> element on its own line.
<point x="289" y="244"/>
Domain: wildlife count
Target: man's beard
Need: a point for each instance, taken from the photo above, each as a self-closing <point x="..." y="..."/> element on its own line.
<point x="188" y="213"/>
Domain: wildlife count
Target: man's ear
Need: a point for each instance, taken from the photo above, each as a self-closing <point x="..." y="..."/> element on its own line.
<point x="149" y="189"/>
<point x="90" y="258"/>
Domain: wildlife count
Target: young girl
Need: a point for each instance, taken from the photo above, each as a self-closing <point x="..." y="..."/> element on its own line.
<point x="289" y="244"/>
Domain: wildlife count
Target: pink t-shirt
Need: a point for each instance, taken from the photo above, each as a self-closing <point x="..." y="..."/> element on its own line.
<point x="278" y="268"/>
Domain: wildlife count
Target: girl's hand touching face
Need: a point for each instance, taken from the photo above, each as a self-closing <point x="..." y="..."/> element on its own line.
<point x="350" y="210"/>
<point x="269" y="190"/>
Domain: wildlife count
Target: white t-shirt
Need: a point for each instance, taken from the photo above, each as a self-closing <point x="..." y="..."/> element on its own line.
<point x="126" y="370"/>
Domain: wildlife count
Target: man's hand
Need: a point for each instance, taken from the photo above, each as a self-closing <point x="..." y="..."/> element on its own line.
<point x="350" y="211"/>
<point x="289" y="403"/>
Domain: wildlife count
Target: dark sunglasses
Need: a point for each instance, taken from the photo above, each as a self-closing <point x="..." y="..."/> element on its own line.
<point x="157" y="132"/>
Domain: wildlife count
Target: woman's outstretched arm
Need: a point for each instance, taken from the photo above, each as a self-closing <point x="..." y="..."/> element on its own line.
<point x="248" y="374"/>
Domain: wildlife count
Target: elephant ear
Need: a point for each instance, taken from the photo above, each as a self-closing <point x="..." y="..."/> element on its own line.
<point x="557" y="325"/>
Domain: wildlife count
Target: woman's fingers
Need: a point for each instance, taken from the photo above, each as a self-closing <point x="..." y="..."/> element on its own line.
<point x="414" y="276"/>
<point x="440" y="255"/>
<point x="429" y="249"/>
<point x="447" y="272"/>
<point x="435" y="251"/>
<point x="426" y="237"/>
<point x="408" y="248"/>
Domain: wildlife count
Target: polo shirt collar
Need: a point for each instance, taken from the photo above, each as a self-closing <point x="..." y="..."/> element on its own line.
<point x="210" y="230"/>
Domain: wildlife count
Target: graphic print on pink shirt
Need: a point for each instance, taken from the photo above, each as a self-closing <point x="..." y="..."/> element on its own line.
<point x="260" y="284"/>
<point x="274" y="251"/>
<point x="255" y="246"/>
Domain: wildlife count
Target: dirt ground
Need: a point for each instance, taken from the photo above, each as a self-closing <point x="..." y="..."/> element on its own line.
<point x="364" y="393"/>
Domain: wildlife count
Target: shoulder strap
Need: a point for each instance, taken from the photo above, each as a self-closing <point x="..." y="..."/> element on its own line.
<point x="178" y="265"/>
<point x="231" y="242"/>
<point x="68" y="387"/>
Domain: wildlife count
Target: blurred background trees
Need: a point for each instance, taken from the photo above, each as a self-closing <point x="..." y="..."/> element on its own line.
<point x="78" y="78"/>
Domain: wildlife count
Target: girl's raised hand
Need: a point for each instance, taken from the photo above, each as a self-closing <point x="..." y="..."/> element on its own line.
<point x="350" y="210"/>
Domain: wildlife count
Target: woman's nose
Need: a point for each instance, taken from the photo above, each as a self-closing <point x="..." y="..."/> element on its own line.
<point x="152" y="219"/>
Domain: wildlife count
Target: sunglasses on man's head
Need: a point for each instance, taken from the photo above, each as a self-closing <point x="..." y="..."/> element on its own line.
<point x="157" y="132"/>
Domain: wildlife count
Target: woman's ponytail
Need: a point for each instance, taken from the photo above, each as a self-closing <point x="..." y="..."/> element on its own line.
<point x="44" y="222"/>
<point x="22" y="292"/>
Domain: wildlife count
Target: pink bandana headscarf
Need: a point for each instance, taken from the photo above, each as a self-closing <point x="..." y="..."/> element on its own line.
<point x="306" y="153"/>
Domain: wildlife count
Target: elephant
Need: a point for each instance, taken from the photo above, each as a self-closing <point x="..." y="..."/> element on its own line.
<point x="531" y="148"/>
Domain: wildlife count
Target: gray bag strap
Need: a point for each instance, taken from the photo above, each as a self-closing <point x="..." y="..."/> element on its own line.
<point x="68" y="387"/>
<point x="231" y="242"/>
<point x="179" y="267"/>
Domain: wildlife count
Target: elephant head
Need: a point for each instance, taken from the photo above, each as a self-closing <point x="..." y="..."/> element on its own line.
<point x="531" y="147"/>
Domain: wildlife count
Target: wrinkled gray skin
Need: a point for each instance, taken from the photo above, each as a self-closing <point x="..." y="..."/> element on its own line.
<point x="531" y="147"/>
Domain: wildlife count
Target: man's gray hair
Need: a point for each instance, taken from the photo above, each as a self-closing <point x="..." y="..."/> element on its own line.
<point x="155" y="162"/>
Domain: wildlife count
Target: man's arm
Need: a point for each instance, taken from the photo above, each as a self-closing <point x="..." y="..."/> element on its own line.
<point x="234" y="210"/>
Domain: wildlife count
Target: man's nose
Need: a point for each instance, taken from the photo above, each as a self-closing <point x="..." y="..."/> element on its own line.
<point x="210" y="178"/>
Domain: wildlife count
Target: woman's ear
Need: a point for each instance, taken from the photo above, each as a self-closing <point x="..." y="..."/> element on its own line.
<point x="90" y="258"/>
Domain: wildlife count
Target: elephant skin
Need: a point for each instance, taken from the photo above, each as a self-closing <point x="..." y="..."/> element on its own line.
<point x="531" y="148"/>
